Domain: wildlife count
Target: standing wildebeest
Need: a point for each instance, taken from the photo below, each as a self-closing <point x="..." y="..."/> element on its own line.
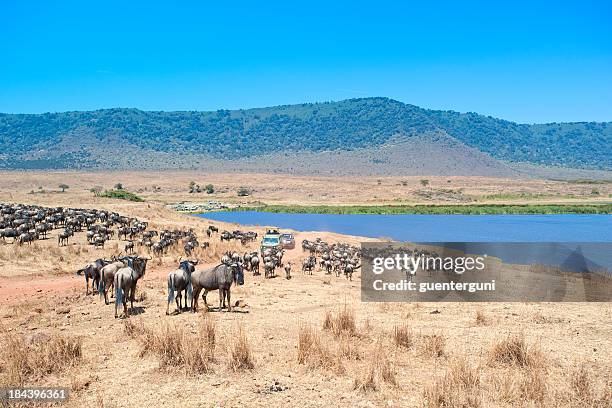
<point x="179" y="280"/>
<point x="62" y="238"/>
<point x="129" y="247"/>
<point x="107" y="277"/>
<point x="255" y="264"/>
<point x="125" y="283"/>
<point x="92" y="271"/>
<point x="309" y="264"/>
<point x="288" y="270"/>
<point x="219" y="277"/>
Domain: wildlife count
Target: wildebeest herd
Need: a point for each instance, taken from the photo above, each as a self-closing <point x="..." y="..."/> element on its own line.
<point x="119" y="275"/>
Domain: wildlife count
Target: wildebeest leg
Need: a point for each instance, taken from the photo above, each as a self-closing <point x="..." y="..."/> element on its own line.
<point x="204" y="298"/>
<point x="229" y="303"/>
<point x="194" y="304"/>
<point x="221" y="299"/>
<point x="87" y="284"/>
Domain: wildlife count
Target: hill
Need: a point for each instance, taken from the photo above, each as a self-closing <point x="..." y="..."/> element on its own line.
<point x="131" y="138"/>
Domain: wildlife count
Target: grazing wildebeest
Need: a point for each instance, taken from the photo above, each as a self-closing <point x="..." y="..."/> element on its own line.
<point x="125" y="283"/>
<point x="92" y="271"/>
<point x="180" y="280"/>
<point x="219" y="277"/>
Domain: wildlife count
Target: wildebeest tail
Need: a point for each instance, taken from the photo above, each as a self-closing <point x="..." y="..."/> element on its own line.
<point x="170" y="288"/>
<point x="101" y="286"/>
<point x="118" y="291"/>
<point x="190" y="292"/>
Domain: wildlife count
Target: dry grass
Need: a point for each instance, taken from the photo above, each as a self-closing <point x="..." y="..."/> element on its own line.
<point x="459" y="387"/>
<point x="174" y="347"/>
<point x="403" y="336"/>
<point x="26" y="359"/>
<point x="433" y="345"/>
<point x="514" y="350"/>
<point x="241" y="357"/>
<point x="311" y="351"/>
<point x="378" y="370"/>
<point x="342" y="323"/>
<point x="481" y="318"/>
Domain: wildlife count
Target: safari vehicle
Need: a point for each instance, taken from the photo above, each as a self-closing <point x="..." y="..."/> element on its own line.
<point x="288" y="241"/>
<point x="271" y="240"/>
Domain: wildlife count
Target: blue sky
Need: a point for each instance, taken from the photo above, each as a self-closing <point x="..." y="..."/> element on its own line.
<point x="522" y="61"/>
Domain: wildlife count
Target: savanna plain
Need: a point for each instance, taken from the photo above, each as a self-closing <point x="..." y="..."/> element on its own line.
<point x="306" y="341"/>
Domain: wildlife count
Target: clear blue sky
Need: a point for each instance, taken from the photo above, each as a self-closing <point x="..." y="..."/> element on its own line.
<point x="533" y="61"/>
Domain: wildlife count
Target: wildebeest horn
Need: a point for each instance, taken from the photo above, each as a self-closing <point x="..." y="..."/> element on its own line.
<point x="180" y="257"/>
<point x="195" y="261"/>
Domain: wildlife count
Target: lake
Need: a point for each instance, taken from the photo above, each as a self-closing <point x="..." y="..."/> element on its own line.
<point x="438" y="228"/>
<point x="563" y="228"/>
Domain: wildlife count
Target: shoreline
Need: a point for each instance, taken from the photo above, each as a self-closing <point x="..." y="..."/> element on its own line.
<point x="433" y="209"/>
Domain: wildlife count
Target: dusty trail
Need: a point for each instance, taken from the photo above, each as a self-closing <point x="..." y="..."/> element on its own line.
<point x="15" y="289"/>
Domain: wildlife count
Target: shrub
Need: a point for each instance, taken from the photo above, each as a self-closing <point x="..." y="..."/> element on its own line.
<point x="243" y="192"/>
<point x="121" y="195"/>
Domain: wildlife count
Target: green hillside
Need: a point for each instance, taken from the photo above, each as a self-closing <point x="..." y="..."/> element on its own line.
<point x="28" y="140"/>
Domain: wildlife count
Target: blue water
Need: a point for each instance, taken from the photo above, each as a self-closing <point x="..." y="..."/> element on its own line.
<point x="438" y="228"/>
<point x="552" y="229"/>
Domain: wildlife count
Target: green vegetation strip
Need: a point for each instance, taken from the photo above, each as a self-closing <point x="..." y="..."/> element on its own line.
<point x="436" y="209"/>
<point x="121" y="194"/>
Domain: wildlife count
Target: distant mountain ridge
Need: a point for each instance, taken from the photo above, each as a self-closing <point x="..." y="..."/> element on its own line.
<point x="131" y="138"/>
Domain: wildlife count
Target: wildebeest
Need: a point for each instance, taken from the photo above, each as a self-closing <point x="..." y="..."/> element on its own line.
<point x="107" y="277"/>
<point x="219" y="277"/>
<point x="129" y="247"/>
<point x="92" y="271"/>
<point x="309" y="264"/>
<point x="255" y="264"/>
<point x="288" y="270"/>
<point x="180" y="280"/>
<point x="125" y="283"/>
<point x="62" y="238"/>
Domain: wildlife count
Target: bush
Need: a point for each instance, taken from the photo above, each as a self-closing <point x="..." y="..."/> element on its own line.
<point x="243" y="192"/>
<point x="121" y="195"/>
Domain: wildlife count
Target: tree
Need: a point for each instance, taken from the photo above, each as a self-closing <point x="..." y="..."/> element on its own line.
<point x="243" y="192"/>
<point x="96" y="190"/>
<point x="424" y="182"/>
<point x="209" y="188"/>
<point x="118" y="186"/>
<point x="64" y="187"/>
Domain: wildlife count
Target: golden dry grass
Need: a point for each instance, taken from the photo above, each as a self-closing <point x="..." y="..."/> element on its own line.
<point x="25" y="359"/>
<point x="403" y="336"/>
<point x="341" y="323"/>
<point x="241" y="357"/>
<point x="514" y="350"/>
<point x="433" y="345"/>
<point x="175" y="347"/>
<point x="460" y="387"/>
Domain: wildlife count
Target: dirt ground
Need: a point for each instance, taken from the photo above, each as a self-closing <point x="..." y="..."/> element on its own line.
<point x="369" y="365"/>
